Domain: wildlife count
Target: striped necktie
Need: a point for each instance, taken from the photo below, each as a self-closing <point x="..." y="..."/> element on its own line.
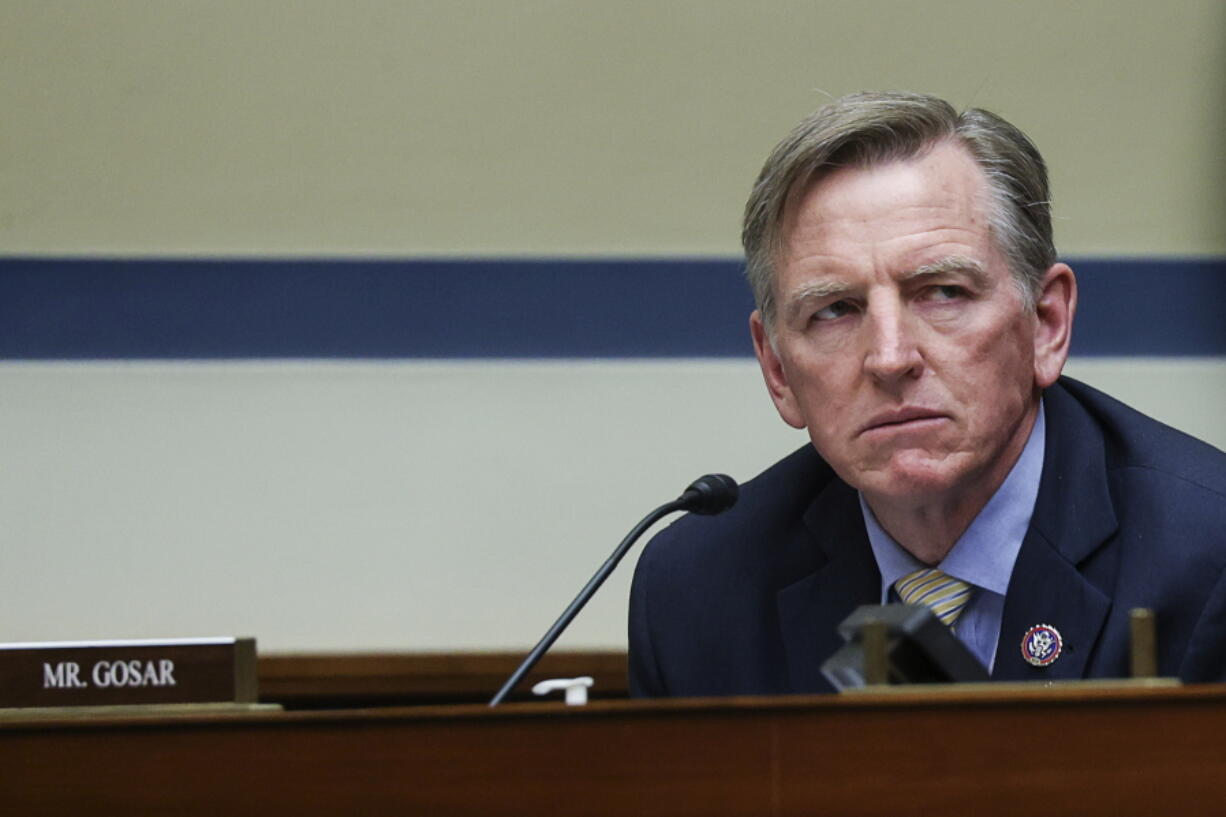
<point x="944" y="595"/>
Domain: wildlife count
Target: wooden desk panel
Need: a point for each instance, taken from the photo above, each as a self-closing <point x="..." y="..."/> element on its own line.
<point x="348" y="680"/>
<point x="1108" y="752"/>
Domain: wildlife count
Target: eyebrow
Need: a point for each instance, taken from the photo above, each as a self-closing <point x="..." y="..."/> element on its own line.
<point x="813" y="291"/>
<point x="950" y="264"/>
<point x="818" y="290"/>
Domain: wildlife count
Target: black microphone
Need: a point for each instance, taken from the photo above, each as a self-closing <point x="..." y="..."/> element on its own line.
<point x="709" y="494"/>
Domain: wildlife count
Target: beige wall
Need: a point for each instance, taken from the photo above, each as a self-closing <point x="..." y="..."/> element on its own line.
<point x="523" y="126"/>
<point x="442" y="505"/>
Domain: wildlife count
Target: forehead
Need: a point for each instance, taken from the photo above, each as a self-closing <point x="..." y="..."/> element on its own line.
<point x="935" y="202"/>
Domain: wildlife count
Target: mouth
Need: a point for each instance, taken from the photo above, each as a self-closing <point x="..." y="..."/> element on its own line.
<point x="903" y="419"/>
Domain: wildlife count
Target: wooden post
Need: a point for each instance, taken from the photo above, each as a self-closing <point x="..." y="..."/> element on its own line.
<point x="1144" y="643"/>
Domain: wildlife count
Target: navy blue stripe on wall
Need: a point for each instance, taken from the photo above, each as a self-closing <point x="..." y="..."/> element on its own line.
<point x="219" y="308"/>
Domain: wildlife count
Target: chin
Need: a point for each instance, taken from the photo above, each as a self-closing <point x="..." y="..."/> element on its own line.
<point x="908" y="481"/>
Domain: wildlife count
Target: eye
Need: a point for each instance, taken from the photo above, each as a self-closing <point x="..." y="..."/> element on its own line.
<point x="834" y="311"/>
<point x="945" y="292"/>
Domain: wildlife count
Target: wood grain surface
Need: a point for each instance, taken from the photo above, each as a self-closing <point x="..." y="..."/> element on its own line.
<point x="1045" y="751"/>
<point x="348" y="680"/>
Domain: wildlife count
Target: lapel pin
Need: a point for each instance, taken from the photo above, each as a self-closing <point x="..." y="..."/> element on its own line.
<point x="1041" y="645"/>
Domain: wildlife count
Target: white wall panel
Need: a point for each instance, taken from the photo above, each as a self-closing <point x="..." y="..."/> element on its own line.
<point x="367" y="506"/>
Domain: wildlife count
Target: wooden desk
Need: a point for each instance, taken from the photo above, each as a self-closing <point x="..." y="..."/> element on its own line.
<point x="1108" y="752"/>
<point x="353" y="680"/>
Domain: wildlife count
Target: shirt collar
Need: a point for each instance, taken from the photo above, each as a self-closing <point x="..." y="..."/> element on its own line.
<point x="985" y="553"/>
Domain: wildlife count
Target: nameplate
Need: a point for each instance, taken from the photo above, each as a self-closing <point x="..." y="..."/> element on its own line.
<point x="125" y="673"/>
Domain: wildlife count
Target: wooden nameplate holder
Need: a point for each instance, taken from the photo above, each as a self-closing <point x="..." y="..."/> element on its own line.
<point x="154" y="676"/>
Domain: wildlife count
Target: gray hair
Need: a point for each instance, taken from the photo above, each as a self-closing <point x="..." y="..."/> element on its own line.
<point x="864" y="129"/>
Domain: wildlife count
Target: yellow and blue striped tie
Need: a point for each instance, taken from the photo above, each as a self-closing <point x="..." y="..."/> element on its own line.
<point x="944" y="595"/>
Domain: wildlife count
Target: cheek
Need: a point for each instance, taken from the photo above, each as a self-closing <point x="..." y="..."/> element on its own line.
<point x="1004" y="346"/>
<point x="824" y="386"/>
<point x="1000" y="378"/>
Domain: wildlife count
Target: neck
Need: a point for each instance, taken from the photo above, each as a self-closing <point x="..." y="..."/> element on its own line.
<point x="929" y="531"/>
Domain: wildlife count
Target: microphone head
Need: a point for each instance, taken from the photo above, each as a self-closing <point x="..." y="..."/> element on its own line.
<point x="710" y="494"/>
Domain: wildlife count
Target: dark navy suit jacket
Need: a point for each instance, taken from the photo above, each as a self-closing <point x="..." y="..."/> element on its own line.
<point x="1130" y="513"/>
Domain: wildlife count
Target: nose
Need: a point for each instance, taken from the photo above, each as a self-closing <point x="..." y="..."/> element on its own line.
<point x="891" y="351"/>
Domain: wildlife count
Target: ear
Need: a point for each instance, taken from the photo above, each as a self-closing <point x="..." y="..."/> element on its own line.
<point x="773" y="373"/>
<point x="1054" y="310"/>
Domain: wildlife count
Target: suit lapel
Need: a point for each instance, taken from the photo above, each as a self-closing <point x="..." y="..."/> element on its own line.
<point x="1047" y="589"/>
<point x="1073" y="517"/>
<point x="811" y="607"/>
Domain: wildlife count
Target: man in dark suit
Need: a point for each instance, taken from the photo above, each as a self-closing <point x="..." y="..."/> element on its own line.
<point x="912" y="316"/>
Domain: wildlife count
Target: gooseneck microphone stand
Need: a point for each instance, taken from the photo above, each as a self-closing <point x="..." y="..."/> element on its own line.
<point x="710" y="494"/>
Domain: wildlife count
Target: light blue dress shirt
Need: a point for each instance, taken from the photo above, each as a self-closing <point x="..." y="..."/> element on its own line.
<point x="983" y="556"/>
